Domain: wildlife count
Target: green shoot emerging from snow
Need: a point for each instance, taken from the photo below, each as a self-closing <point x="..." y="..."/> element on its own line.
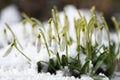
<point x="85" y="45"/>
<point x="58" y="42"/>
<point x="14" y="43"/>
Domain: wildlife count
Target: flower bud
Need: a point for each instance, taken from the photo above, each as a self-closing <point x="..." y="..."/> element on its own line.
<point x="38" y="43"/>
<point x="98" y="35"/>
<point x="5" y="38"/>
<point x="63" y="43"/>
<point x="8" y="49"/>
<point x="83" y="38"/>
<point x="54" y="45"/>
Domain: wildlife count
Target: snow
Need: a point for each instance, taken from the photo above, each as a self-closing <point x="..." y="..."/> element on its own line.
<point x="31" y="75"/>
<point x="106" y="78"/>
<point x="84" y="77"/>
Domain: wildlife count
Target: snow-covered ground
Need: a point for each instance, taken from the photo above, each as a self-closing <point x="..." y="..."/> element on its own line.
<point x="17" y="67"/>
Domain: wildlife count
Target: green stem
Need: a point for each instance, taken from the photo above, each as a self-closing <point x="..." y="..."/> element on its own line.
<point x="108" y="34"/>
<point x="79" y="13"/>
<point x="92" y="10"/>
<point x="55" y="20"/>
<point x="118" y="35"/>
<point x="117" y="30"/>
<point x="28" y="19"/>
<point x="89" y="52"/>
<point x="42" y="33"/>
<point x="37" y="21"/>
<point x="58" y="60"/>
<point x="13" y="35"/>
<point x="67" y="52"/>
<point x="89" y="36"/>
<point x="22" y="53"/>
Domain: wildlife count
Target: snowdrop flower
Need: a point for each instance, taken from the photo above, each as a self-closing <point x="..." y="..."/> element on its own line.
<point x="32" y="34"/>
<point x="38" y="43"/>
<point x="53" y="28"/>
<point x="69" y="40"/>
<point x="5" y="38"/>
<point x="8" y="49"/>
<point x="98" y="34"/>
<point x="83" y="38"/>
<point x="63" y="42"/>
<point x="54" y="44"/>
<point x="99" y="37"/>
<point x="93" y="40"/>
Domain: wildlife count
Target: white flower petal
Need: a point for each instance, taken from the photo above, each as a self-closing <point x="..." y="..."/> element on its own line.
<point x="38" y="45"/>
<point x="54" y="45"/>
<point x="63" y="44"/>
<point x="93" y="39"/>
<point x="83" y="39"/>
<point x="7" y="50"/>
<point x="97" y="33"/>
<point x="90" y="64"/>
<point x="99" y="36"/>
<point x="5" y="38"/>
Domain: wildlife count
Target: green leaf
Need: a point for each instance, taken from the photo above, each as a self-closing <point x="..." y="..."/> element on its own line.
<point x="12" y="32"/>
<point x="45" y="41"/>
<point x="37" y="21"/>
<point x="39" y="67"/>
<point x="95" y="51"/>
<point x="64" y="61"/>
<point x="55" y="18"/>
<point x="74" y="65"/>
<point x="51" y="66"/>
<point x="85" y="68"/>
<point x="51" y="62"/>
<point x="28" y="19"/>
<point x="116" y="24"/>
<point x="76" y="62"/>
<point x="112" y="60"/>
<point x="58" y="65"/>
<point x="99" y="61"/>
